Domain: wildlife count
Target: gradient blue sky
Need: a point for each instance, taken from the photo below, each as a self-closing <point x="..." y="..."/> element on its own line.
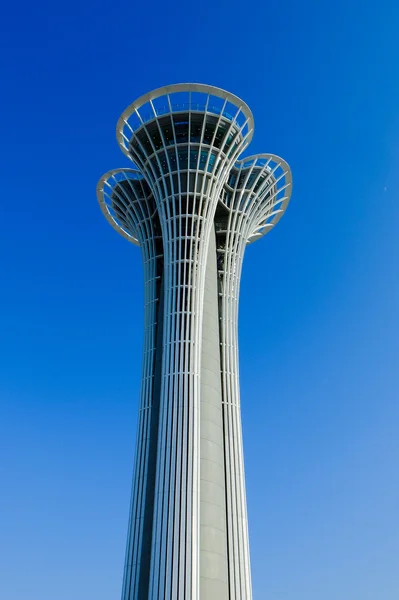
<point x="319" y="317"/>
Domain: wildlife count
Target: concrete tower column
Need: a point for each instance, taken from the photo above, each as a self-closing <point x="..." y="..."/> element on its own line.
<point x="214" y="583"/>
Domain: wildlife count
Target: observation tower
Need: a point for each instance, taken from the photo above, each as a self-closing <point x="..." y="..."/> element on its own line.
<point x="192" y="206"/>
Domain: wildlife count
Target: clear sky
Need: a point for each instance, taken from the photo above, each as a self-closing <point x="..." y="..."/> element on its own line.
<point x="319" y="318"/>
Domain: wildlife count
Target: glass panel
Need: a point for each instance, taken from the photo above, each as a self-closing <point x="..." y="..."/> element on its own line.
<point x="144" y="140"/>
<point x="181" y="128"/>
<point x="168" y="184"/>
<point x="183" y="182"/>
<point x="155" y="165"/>
<point x="156" y="139"/>
<point x="172" y="160"/>
<point x="167" y="130"/>
<point x="183" y="158"/>
<point x="196" y="128"/>
<point x="211" y="163"/>
<point x="258" y="184"/>
<point x="220" y="134"/>
<point x="232" y="179"/>
<point x="203" y="159"/>
<point x="136" y="150"/>
<point x="209" y="131"/>
<point x="242" y="178"/>
<point x="193" y="158"/>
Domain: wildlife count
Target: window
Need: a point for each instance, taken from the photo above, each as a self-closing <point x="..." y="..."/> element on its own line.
<point x="221" y="132"/>
<point x="203" y="159"/>
<point x="144" y="140"/>
<point x="183" y="158"/>
<point x="211" y="163"/>
<point x="196" y="128"/>
<point x="167" y="130"/>
<point x="156" y="138"/>
<point x="136" y="149"/>
<point x="232" y="179"/>
<point x="181" y="129"/>
<point x="194" y="158"/>
<point x="229" y="140"/>
<point x="208" y="133"/>
<point x="155" y="165"/>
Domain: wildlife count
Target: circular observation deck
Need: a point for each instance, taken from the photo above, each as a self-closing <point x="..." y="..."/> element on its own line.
<point x="126" y="202"/>
<point x="184" y="127"/>
<point x="258" y="190"/>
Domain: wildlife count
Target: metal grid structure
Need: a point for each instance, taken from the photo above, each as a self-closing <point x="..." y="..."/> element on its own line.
<point x="192" y="206"/>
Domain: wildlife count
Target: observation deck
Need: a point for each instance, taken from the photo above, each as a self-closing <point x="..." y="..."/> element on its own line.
<point x="180" y="136"/>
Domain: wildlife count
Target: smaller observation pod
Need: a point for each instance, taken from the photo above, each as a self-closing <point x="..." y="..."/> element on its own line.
<point x="192" y="205"/>
<point x="258" y="190"/>
<point x="125" y="199"/>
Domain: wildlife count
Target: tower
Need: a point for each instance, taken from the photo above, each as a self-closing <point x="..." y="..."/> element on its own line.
<point x="192" y="206"/>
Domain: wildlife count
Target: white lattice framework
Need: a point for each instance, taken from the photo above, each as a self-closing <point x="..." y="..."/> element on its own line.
<point x="185" y="141"/>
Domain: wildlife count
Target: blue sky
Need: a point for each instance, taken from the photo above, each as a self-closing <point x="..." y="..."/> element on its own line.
<point x="319" y="305"/>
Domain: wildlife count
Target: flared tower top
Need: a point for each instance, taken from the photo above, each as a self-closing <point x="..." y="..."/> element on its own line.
<point x="183" y="98"/>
